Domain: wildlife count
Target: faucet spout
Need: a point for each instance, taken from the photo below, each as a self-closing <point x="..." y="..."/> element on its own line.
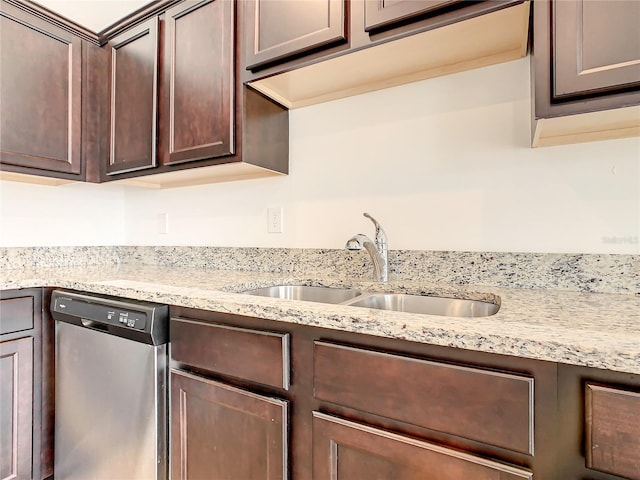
<point x="377" y="250"/>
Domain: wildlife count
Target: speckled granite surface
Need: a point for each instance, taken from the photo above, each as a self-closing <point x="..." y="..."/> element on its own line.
<point x="573" y="272"/>
<point x="592" y="329"/>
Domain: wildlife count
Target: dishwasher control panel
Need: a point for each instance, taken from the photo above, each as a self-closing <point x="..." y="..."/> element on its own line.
<point x="142" y="321"/>
<point x="100" y="313"/>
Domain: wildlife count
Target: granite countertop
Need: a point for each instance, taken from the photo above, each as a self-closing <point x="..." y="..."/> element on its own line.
<point x="591" y="329"/>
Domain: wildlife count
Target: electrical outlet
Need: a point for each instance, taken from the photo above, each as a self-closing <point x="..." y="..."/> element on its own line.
<point x="274" y="219"/>
<point x="163" y="223"/>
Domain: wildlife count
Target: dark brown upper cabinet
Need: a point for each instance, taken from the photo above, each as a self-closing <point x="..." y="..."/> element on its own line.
<point x="158" y="95"/>
<point x="596" y="46"/>
<point x="41" y="96"/>
<point x="586" y="70"/>
<point x="300" y="56"/>
<point x="198" y="81"/>
<point x="382" y="13"/>
<point x="134" y="88"/>
<point x="282" y="29"/>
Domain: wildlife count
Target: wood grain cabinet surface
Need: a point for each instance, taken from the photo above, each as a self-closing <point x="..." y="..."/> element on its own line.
<point x="201" y="124"/>
<point x="279" y="30"/>
<point x="586" y="70"/>
<point x="134" y="99"/>
<point x="596" y="46"/>
<point x="198" y="111"/>
<point x="403" y="411"/>
<point x="345" y="450"/>
<point x="16" y="403"/>
<point x="222" y="432"/>
<point x="381" y="13"/>
<point x="41" y="96"/>
<point x="483" y="405"/>
<point x="264" y="356"/>
<point x="612" y="420"/>
<point x="26" y="386"/>
<point x="157" y="95"/>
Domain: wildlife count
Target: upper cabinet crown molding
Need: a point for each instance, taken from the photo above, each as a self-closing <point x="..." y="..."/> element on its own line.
<point x="100" y="38"/>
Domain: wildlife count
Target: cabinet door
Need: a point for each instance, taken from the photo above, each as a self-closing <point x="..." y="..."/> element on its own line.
<point x="134" y="79"/>
<point x="222" y="432"/>
<point x="345" y="450"/>
<point x="40" y="94"/>
<point x="596" y="46"/>
<point x="279" y="29"/>
<point x="16" y="400"/>
<point x="198" y="112"/>
<point x="612" y="430"/>
<point x="381" y="13"/>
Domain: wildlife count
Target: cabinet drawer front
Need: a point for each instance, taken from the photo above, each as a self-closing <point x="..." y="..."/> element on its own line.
<point x="253" y="355"/>
<point x="16" y="314"/>
<point x="613" y="431"/>
<point x="218" y="431"/>
<point x="344" y="450"/>
<point x="490" y="407"/>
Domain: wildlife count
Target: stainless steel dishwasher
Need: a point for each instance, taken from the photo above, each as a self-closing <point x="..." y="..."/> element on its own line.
<point x="111" y="388"/>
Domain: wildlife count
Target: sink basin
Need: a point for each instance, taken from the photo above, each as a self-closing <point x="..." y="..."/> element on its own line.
<point x="450" y="307"/>
<point x="307" y="293"/>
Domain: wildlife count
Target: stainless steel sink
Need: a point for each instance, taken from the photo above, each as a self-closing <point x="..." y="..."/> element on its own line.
<point x="450" y="307"/>
<point x="307" y="293"/>
<point x="397" y="302"/>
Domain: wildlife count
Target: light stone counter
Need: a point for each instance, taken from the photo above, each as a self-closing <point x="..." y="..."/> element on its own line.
<point x="592" y="329"/>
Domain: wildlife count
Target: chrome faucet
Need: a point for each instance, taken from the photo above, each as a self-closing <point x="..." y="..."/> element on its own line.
<point x="377" y="250"/>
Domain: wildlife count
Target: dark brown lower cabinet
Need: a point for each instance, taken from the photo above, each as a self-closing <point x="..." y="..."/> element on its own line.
<point x="223" y="432"/>
<point x="16" y="403"/>
<point x="26" y="386"/>
<point x="345" y="450"/>
<point x="360" y="407"/>
<point x="612" y="441"/>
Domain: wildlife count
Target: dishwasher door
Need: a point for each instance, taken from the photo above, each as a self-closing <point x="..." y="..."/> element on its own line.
<point x="111" y="407"/>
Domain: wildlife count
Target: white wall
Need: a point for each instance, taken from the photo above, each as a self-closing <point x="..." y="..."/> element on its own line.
<point x="72" y="214"/>
<point x="443" y="164"/>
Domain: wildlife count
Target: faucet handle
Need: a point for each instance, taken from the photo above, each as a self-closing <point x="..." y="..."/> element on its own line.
<point x="381" y="236"/>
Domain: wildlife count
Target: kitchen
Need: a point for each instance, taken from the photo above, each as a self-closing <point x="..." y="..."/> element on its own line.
<point x="453" y="151"/>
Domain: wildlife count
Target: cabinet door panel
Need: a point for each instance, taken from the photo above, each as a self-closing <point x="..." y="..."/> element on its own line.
<point x="596" y="46"/>
<point x="40" y="94"/>
<point x="222" y="432"/>
<point x="345" y="450"/>
<point x="134" y="78"/>
<point x="283" y="28"/>
<point x="16" y="400"/>
<point x="199" y="81"/>
<point x="381" y="13"/>
<point x="613" y="431"/>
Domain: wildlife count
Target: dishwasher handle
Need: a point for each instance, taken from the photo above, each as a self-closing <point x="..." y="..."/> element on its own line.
<point x="94" y="325"/>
